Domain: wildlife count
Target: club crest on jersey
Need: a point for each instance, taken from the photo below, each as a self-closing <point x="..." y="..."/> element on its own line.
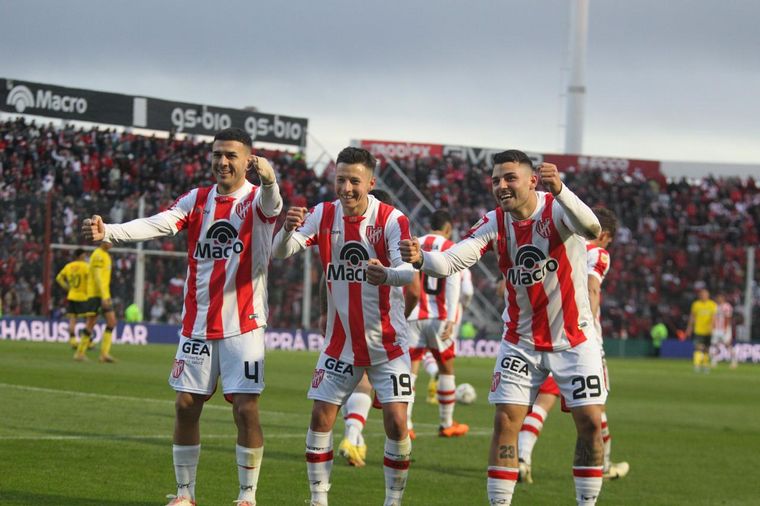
<point x="543" y="228"/>
<point x="242" y="208"/>
<point x="531" y="266"/>
<point x="316" y="379"/>
<point x="220" y="242"/>
<point x="179" y="366"/>
<point x="351" y="267"/>
<point x="374" y="234"/>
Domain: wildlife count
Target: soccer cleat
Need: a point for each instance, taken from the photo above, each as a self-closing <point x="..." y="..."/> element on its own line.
<point x="524" y="474"/>
<point x="179" y="501"/>
<point x="432" y="391"/>
<point x="352" y="453"/>
<point x="617" y="470"/>
<point x="80" y="357"/>
<point x="454" y="430"/>
<point x="412" y="435"/>
<point x="107" y="359"/>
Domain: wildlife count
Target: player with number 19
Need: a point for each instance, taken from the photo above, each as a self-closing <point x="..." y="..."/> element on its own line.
<point x="358" y="239"/>
<point x="548" y="326"/>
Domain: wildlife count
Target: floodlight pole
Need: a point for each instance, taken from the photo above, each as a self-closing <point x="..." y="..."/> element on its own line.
<point x="576" y="86"/>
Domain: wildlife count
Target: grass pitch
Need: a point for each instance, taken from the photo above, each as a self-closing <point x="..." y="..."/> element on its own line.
<point x="90" y="434"/>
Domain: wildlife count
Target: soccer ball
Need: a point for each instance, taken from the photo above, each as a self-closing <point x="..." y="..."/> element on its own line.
<point x="466" y="393"/>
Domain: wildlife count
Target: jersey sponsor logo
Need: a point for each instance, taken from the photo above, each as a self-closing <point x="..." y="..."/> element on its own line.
<point x="317" y="377"/>
<point x="196" y="348"/>
<point x="531" y="267"/>
<point x="221" y="242"/>
<point x="374" y="234"/>
<point x="515" y="366"/>
<point x="179" y="366"/>
<point x="604" y="257"/>
<point x="339" y="366"/>
<point x="543" y="228"/>
<point x="353" y="255"/>
<point x="495" y="381"/>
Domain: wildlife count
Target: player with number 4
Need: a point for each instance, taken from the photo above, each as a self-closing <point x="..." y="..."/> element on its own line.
<point x="358" y="238"/>
<point x="539" y="238"/>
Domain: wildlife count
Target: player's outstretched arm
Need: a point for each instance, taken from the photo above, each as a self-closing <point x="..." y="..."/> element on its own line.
<point x="581" y="217"/>
<point x="288" y="240"/>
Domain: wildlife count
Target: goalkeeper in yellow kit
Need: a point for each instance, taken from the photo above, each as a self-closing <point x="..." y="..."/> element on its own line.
<point x="99" y="300"/>
<point x="74" y="278"/>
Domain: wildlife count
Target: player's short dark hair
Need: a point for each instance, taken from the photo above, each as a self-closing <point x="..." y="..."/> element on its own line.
<point x="607" y="219"/>
<point x="512" y="155"/>
<point x="351" y="155"/>
<point x="234" y="134"/>
<point x="439" y="219"/>
<point x="382" y="195"/>
<point x="78" y="252"/>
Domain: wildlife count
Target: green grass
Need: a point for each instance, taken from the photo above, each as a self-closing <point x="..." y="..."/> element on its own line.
<point x="88" y="434"/>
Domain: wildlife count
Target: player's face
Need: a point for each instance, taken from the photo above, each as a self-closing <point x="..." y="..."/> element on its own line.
<point x="229" y="162"/>
<point x="704" y="294"/>
<point x="353" y="181"/>
<point x="514" y="186"/>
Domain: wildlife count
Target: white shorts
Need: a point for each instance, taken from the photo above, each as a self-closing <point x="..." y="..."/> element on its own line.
<point x="334" y="380"/>
<point x="519" y="373"/>
<point x="239" y="360"/>
<point x="722" y="337"/>
<point x="426" y="335"/>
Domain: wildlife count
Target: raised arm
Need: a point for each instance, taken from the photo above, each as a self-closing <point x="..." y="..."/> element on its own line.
<point x="580" y="218"/>
<point x="296" y="233"/>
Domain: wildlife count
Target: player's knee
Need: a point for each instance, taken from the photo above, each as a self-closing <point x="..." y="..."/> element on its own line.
<point x="395" y="425"/>
<point x="588" y="422"/>
<point x="247" y="412"/>
<point x="506" y="422"/>
<point x="188" y="406"/>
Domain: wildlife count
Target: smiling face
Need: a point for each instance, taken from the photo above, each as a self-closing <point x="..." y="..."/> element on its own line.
<point x="513" y="185"/>
<point x="353" y="181"/>
<point x="229" y="162"/>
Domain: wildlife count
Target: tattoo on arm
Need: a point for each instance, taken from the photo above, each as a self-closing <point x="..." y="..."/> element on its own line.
<point x="507" y="452"/>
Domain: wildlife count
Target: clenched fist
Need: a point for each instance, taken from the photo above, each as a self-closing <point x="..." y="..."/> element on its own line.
<point x="93" y="229"/>
<point x="549" y="176"/>
<point x="294" y="218"/>
<point x="410" y="250"/>
<point x="376" y="274"/>
<point x="263" y="168"/>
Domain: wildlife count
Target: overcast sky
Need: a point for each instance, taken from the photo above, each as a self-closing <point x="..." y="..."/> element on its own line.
<point x="668" y="80"/>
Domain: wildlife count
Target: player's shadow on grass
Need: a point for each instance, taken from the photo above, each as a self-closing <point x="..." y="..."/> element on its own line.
<point x="23" y="497"/>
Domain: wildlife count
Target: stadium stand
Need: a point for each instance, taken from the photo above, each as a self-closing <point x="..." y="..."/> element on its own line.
<point x="672" y="235"/>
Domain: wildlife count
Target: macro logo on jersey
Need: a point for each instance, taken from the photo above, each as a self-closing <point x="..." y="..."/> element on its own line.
<point x="220" y="242"/>
<point x="531" y="266"/>
<point x="352" y="256"/>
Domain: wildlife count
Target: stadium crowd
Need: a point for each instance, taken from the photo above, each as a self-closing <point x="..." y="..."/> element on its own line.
<point x="672" y="240"/>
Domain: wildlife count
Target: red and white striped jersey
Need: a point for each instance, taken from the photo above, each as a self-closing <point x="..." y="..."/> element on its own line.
<point x="229" y="245"/>
<point x="439" y="297"/>
<point x="598" y="263"/>
<point x="365" y="323"/>
<point x="543" y="260"/>
<point x="722" y="319"/>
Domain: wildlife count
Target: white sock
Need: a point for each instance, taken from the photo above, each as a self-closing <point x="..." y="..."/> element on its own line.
<point x="396" y="469"/>
<point x="185" y="468"/>
<point x="529" y="432"/>
<point x="447" y="398"/>
<point x="249" y="465"/>
<point x="501" y="485"/>
<point x="607" y="439"/>
<point x="431" y="366"/>
<point x="410" y="405"/>
<point x="319" y="460"/>
<point x="588" y="484"/>
<point x="355" y="412"/>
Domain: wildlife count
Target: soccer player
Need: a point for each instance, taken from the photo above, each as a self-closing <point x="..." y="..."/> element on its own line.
<point x="99" y="301"/>
<point x="431" y="327"/>
<point x="230" y="227"/>
<point x="74" y="278"/>
<point x="722" y="334"/>
<point x="358" y="238"/>
<point x="700" y="325"/>
<point x="538" y="237"/>
<point x="356" y="409"/>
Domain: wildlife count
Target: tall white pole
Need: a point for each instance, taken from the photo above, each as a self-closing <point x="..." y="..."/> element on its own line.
<point x="576" y="87"/>
<point x="750" y="273"/>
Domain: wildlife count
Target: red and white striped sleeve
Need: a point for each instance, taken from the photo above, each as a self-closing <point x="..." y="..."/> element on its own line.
<point x="165" y="223"/>
<point x="598" y="263"/>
